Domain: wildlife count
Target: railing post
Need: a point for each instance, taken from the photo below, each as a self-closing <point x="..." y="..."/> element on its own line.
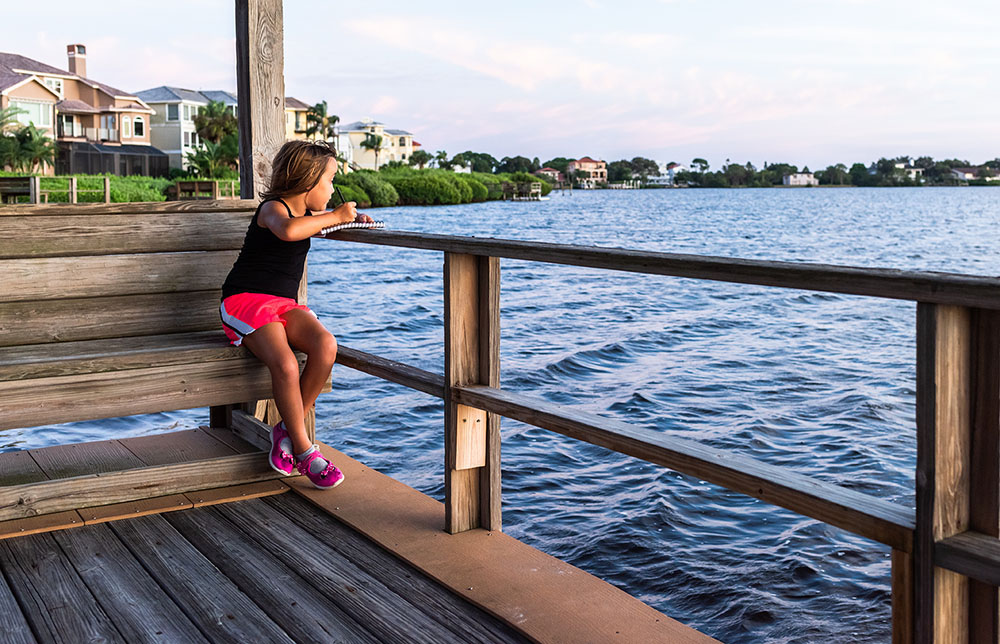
<point x="34" y="189"/>
<point x="942" y="481"/>
<point x="107" y="189"/>
<point x="471" y="356"/>
<point x="72" y="189"/>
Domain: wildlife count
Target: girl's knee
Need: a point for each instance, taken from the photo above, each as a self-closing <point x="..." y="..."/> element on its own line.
<point x="326" y="348"/>
<point x="286" y="367"/>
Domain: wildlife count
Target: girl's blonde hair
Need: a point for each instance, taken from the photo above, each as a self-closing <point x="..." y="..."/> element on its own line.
<point x="297" y="167"/>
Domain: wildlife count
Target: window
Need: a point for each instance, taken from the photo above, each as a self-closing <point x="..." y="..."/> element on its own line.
<point x="56" y="85"/>
<point x="36" y="112"/>
<point x="140" y="127"/>
<point x="402" y="141"/>
<point x="126" y="127"/>
<point x="187" y="138"/>
<point x="172" y="112"/>
<point x="187" y="112"/>
<point x="194" y="139"/>
<point x="108" y="121"/>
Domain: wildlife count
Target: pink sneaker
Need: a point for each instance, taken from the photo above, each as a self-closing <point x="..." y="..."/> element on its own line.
<point x="326" y="477"/>
<point x="280" y="458"/>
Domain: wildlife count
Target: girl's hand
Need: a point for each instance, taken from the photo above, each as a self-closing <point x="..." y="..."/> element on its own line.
<point x="363" y="218"/>
<point x="349" y="210"/>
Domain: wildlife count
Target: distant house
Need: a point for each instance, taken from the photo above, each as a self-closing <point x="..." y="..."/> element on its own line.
<point x="173" y="129"/>
<point x="913" y="172"/>
<point x="296" y="123"/>
<point x="800" y="179"/>
<point x="551" y="174"/>
<point x="97" y="128"/>
<point x="594" y="172"/>
<point x="965" y="174"/>
<point x="668" y="172"/>
<point x="397" y="145"/>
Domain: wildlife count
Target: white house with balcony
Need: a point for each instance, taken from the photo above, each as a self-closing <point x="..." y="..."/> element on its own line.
<point x="800" y="179"/>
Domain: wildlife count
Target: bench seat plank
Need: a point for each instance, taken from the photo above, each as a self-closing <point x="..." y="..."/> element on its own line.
<point x="27" y="403"/>
<point x="69" y="235"/>
<point x="113" y="354"/>
<point x="73" y="319"/>
<point x="47" y="278"/>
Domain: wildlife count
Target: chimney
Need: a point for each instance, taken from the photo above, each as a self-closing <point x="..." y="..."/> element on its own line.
<point x="77" y="59"/>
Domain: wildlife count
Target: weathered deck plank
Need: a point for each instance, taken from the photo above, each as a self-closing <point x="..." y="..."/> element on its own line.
<point x="136" y="604"/>
<point x="430" y="597"/>
<point x="386" y="615"/>
<point x="13" y="625"/>
<point x="307" y="616"/>
<point x="55" y="600"/>
<point x="17" y="468"/>
<point x="209" y="599"/>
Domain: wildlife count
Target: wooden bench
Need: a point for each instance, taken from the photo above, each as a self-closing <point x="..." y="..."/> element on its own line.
<point x="13" y="187"/>
<point x="112" y="310"/>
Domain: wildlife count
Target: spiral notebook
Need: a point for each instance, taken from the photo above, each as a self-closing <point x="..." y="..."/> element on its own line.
<point x="350" y="225"/>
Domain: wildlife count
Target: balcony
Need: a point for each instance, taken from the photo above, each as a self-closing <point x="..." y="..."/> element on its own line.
<point x="70" y="129"/>
<point x="101" y="134"/>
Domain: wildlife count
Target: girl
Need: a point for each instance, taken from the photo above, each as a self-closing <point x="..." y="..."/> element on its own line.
<point x="259" y="305"/>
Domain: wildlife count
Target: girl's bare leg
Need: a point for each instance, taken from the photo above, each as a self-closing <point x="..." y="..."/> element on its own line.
<point x="308" y="335"/>
<point x="270" y="344"/>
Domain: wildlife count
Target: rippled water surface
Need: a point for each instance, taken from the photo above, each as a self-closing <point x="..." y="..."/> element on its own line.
<point x="822" y="384"/>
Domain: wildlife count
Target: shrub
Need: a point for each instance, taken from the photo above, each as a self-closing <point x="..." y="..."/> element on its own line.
<point x="381" y="191"/>
<point x="479" y="191"/>
<point x="425" y="189"/>
<point x="464" y="189"/>
<point x="355" y="194"/>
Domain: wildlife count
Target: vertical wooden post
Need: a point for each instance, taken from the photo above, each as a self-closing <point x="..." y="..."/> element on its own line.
<point x="944" y="365"/>
<point x="472" y="356"/>
<point x="215" y="189"/>
<point x="34" y="190"/>
<point x="260" y="89"/>
<point x="107" y="189"/>
<point x="72" y="189"/>
<point x="984" y="477"/>
<point x="902" y="597"/>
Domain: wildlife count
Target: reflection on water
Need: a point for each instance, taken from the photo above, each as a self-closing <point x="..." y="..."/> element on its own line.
<point x="822" y="384"/>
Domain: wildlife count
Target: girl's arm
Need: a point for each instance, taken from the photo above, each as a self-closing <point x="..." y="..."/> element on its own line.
<point x="275" y="217"/>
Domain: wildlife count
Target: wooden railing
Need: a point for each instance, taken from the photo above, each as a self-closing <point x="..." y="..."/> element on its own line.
<point x="945" y="553"/>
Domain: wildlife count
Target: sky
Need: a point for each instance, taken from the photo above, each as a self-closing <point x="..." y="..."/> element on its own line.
<point x="808" y="82"/>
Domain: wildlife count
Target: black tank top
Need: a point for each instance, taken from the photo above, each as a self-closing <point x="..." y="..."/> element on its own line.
<point x="267" y="264"/>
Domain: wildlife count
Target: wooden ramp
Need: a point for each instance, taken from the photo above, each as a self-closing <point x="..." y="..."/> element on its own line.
<point x="367" y="562"/>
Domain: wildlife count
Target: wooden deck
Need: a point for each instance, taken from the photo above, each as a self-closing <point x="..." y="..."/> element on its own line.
<point x="368" y="562"/>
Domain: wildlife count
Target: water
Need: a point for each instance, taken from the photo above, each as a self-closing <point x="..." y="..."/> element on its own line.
<point x="822" y="384"/>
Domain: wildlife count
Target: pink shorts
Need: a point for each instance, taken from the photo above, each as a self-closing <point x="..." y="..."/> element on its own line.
<point x="244" y="313"/>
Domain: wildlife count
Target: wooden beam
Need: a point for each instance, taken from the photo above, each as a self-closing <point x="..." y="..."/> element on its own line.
<point x="859" y="513"/>
<point x="944" y="366"/>
<point x="471" y="354"/>
<point x="260" y="89"/>
<point x="924" y="286"/>
<point x="973" y="554"/>
<point x="398" y="372"/>
<point x="32" y="499"/>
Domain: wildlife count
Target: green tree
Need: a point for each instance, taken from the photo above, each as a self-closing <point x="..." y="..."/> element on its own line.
<point x="514" y="164"/>
<point x="860" y="175"/>
<point x="373" y="142"/>
<point x="644" y="167"/>
<point x="441" y="160"/>
<point x="34" y="148"/>
<point x="214" y="122"/>
<point x="481" y="162"/>
<point x="834" y="175"/>
<point x="8" y="118"/>
<point x="700" y="164"/>
<point x="420" y="158"/>
<point x="558" y="163"/>
<point x="619" y="171"/>
<point x="212" y="160"/>
<point x="323" y="125"/>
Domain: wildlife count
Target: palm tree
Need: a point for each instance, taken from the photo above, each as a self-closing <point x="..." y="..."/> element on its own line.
<point x="420" y="158"/>
<point x="8" y="118"/>
<point x="373" y="142"/>
<point x="34" y="148"/>
<point x="441" y="158"/>
<point x="322" y="125"/>
<point x="214" y="122"/>
<point x="211" y="160"/>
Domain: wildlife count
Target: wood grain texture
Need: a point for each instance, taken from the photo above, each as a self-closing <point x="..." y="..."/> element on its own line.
<point x="490" y="487"/>
<point x="859" y="513"/>
<point x="260" y="89"/>
<point x="150" y="208"/>
<point x="91" y="234"/>
<point x="398" y="372"/>
<point x="12" y="622"/>
<point x="134" y="391"/>
<point x="942" y="479"/>
<point x="461" y="366"/>
<point x="77" y="319"/>
<point x="208" y="598"/>
<point x="933" y="287"/>
<point x="51" y="278"/>
<point x="902" y="597"/>
<point x="55" y="600"/>
<point x="273" y="586"/>
<point x="32" y="499"/>
<point x="139" y="608"/>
